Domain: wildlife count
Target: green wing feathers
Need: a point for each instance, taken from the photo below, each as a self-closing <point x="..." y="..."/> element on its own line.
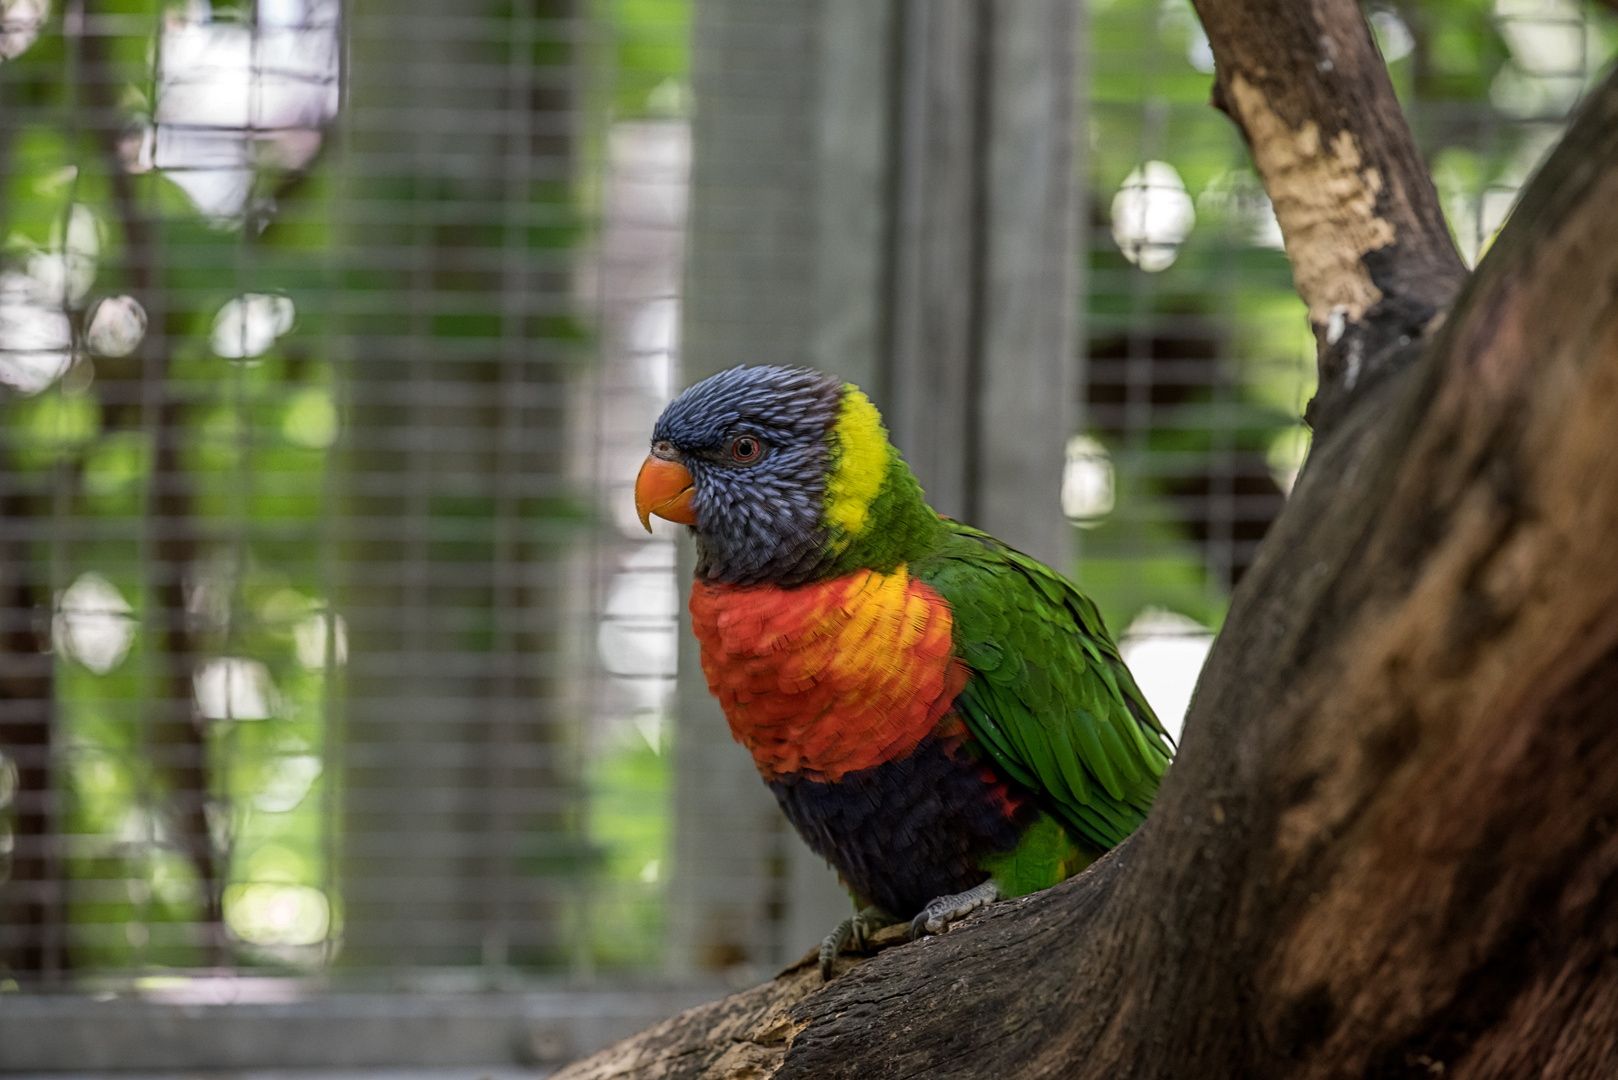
<point x="1049" y="697"/>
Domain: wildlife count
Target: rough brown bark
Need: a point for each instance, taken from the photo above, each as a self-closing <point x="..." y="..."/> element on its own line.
<point x="1389" y="846"/>
<point x="1371" y="255"/>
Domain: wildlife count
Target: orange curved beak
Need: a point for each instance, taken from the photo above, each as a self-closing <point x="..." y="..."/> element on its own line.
<point x="664" y="488"/>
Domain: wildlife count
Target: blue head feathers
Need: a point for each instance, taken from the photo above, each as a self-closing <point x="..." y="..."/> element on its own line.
<point x="754" y="440"/>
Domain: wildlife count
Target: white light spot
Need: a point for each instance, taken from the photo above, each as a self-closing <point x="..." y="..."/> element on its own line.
<point x="1087" y="482"/>
<point x="276" y="914"/>
<point x="1546" y="37"/>
<point x="638" y="636"/>
<point x="1237" y="197"/>
<point x="1393" y="37"/>
<point x="282" y="13"/>
<point x="1165" y="653"/>
<point x="94" y="623"/>
<point x="233" y="98"/>
<point x="653" y="337"/>
<point x="1266" y="230"/>
<point x="1336" y="323"/>
<point x="656" y="326"/>
<point x="1546" y="72"/>
<point x="649" y="872"/>
<point x="20" y="23"/>
<point x="289" y="781"/>
<point x="81" y="250"/>
<point x="309" y="636"/>
<point x="648" y="724"/>
<point x="233" y="688"/>
<point x="1199" y="52"/>
<point x="66" y="269"/>
<point x="638" y="629"/>
<point x="1151" y="215"/>
<point x="35" y="336"/>
<point x="248" y="325"/>
<point x="1286" y="456"/>
<point x="117" y="326"/>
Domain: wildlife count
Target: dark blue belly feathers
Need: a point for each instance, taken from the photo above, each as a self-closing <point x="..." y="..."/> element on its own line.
<point x="906" y="831"/>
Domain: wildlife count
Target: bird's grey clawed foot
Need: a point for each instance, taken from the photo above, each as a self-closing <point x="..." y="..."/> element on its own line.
<point x="940" y="912"/>
<point x="853" y="930"/>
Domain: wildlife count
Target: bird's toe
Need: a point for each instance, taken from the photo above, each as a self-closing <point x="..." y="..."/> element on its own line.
<point x="943" y="910"/>
<point x="856" y="930"/>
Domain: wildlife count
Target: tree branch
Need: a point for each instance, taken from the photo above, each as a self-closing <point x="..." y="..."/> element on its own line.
<point x="31" y="895"/>
<point x="176" y="733"/>
<point x="1371" y="255"/>
<point x="33" y="890"/>
<point x="1390" y="843"/>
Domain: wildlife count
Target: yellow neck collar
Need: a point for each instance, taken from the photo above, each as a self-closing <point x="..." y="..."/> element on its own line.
<point x="859" y="464"/>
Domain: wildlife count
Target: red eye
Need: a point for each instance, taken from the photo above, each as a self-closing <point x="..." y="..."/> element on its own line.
<point x="746" y="448"/>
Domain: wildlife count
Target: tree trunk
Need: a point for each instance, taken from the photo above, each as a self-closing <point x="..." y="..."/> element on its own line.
<point x="31" y="891"/>
<point x="176" y="734"/>
<point x="33" y="945"/>
<point x="1389" y="845"/>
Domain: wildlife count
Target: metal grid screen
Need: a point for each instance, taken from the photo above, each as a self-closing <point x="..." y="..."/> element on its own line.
<point x="1199" y="354"/>
<point x="289" y="325"/>
<point x="330" y="331"/>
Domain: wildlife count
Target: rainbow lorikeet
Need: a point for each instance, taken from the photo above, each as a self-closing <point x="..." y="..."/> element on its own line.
<point x="944" y="719"/>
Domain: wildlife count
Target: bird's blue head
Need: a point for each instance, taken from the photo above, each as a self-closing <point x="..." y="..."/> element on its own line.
<point x="785" y="474"/>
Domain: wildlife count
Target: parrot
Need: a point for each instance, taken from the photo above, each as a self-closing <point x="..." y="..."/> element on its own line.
<point x="943" y="719"/>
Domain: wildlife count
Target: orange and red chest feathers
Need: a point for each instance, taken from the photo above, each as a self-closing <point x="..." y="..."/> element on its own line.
<point x="827" y="679"/>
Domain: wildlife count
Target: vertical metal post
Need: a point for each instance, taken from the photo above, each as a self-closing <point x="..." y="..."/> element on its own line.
<point x="1029" y="270"/>
<point x="460" y="848"/>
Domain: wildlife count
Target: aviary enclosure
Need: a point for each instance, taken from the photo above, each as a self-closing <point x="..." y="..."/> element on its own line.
<point x="337" y="676"/>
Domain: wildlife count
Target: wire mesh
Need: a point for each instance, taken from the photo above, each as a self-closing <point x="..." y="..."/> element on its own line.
<point x="636" y="273"/>
<point x="330" y="335"/>
<point x="1199" y="354"/>
<point x="289" y="327"/>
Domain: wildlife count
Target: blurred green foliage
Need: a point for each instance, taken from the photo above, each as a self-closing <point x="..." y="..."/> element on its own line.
<point x="260" y="432"/>
<point x="630" y="808"/>
<point x="651" y="47"/>
<point x="630" y="781"/>
<point x="258" y="438"/>
<point x="1484" y="83"/>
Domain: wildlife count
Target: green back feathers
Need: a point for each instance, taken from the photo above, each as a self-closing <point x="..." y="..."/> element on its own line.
<point x="1050" y="698"/>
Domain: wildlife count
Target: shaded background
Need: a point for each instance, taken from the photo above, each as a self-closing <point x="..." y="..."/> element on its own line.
<point x="344" y="714"/>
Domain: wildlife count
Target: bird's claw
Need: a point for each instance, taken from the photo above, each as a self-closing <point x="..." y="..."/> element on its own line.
<point x="833" y="943"/>
<point x="855" y="929"/>
<point x="941" y="911"/>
